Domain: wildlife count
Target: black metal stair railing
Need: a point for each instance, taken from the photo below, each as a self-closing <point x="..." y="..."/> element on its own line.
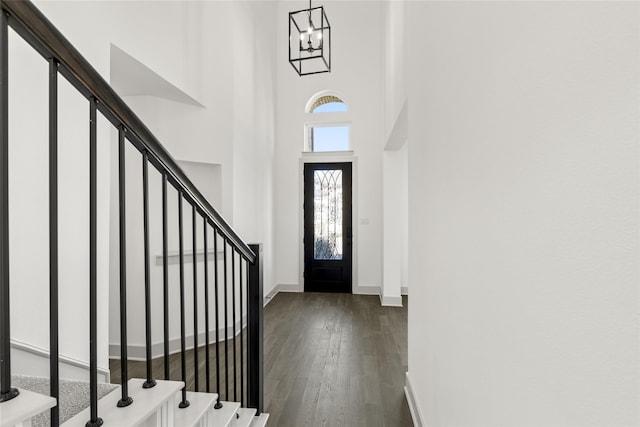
<point x="240" y="277"/>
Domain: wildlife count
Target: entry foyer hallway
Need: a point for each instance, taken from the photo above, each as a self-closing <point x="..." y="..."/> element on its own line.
<point x="335" y="360"/>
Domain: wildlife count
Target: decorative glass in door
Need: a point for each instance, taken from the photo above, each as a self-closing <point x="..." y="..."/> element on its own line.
<point x="327" y="217"/>
<point x="328" y="245"/>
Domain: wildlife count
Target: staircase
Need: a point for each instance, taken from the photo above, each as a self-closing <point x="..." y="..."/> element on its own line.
<point x="157" y="406"/>
<point x="232" y="299"/>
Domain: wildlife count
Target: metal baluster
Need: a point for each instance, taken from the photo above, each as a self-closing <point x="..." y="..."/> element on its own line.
<point x="93" y="272"/>
<point x="206" y="305"/>
<point x="54" y="370"/>
<point x="233" y="310"/>
<point x="226" y="325"/>
<point x="195" y="300"/>
<point x="215" y="274"/>
<point x="184" y="403"/>
<point x="6" y="391"/>
<point x="150" y="382"/>
<point x="165" y="275"/>
<point x="126" y="400"/>
<point x="241" y="335"/>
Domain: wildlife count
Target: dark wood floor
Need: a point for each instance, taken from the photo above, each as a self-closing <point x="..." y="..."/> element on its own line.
<point x="335" y="360"/>
<point x="329" y="360"/>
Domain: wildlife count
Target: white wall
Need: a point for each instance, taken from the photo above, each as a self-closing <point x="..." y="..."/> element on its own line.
<point x="396" y="220"/>
<point x="523" y="216"/>
<point x="395" y="93"/>
<point x="357" y="77"/>
<point x="233" y="129"/>
<point x="254" y="103"/>
<point x="395" y="160"/>
<point x="29" y="211"/>
<point x="181" y="44"/>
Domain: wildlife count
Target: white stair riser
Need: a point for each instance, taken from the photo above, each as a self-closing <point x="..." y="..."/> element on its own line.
<point x="164" y="416"/>
<point x="152" y="407"/>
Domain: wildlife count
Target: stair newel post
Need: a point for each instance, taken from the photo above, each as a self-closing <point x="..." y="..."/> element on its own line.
<point x="194" y="258"/>
<point x="6" y="391"/>
<point x="206" y="306"/>
<point x="150" y="382"/>
<point x="255" y="351"/>
<point x="126" y="400"/>
<point x="54" y="371"/>
<point x="184" y="402"/>
<point x="215" y="289"/>
<point x="165" y="275"/>
<point x="226" y="324"/>
<point x="241" y="332"/>
<point x="233" y="319"/>
<point x="93" y="270"/>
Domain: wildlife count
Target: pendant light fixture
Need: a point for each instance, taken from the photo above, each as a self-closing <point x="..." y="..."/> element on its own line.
<point x="310" y="41"/>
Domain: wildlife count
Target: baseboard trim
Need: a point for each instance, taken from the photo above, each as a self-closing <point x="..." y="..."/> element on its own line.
<point x="66" y="360"/>
<point x="389" y="301"/>
<point x="289" y="288"/>
<point x="411" y="400"/>
<point x="357" y="290"/>
<point x="280" y="288"/>
<point x="138" y="351"/>
<point x="269" y="297"/>
<point x="404" y="290"/>
<point x="366" y="290"/>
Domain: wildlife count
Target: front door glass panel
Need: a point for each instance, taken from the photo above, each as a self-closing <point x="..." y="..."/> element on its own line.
<point x="328" y="238"/>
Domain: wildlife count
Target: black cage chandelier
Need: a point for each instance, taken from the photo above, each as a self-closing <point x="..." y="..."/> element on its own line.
<point x="310" y="41"/>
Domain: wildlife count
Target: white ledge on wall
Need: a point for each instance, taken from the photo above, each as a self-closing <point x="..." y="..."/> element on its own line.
<point x="327" y="153"/>
<point x="173" y="257"/>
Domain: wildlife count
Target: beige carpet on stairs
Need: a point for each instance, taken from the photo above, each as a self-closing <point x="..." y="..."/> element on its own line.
<point x="74" y="396"/>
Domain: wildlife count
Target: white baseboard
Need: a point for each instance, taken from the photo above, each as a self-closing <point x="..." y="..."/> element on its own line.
<point x="289" y="288"/>
<point x="404" y="290"/>
<point x="416" y="415"/>
<point x="269" y="297"/>
<point x="138" y="351"/>
<point x="280" y="288"/>
<point x="389" y="301"/>
<point x="32" y="360"/>
<point x="357" y="290"/>
<point x="366" y="290"/>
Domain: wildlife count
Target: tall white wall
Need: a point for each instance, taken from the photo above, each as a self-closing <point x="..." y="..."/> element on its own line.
<point x="254" y="103"/>
<point x="234" y="130"/>
<point x="194" y="46"/>
<point x="357" y="77"/>
<point x="395" y="92"/>
<point x="29" y="212"/>
<point x="394" y="158"/>
<point x="523" y="215"/>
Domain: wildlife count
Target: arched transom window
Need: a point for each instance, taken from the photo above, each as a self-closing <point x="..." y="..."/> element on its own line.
<point x="328" y="104"/>
<point x="327" y="132"/>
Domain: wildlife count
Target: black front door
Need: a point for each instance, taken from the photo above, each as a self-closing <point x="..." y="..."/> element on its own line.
<point x="327" y="227"/>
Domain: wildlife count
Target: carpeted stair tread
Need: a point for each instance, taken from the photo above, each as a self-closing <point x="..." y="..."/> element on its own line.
<point x="74" y="395"/>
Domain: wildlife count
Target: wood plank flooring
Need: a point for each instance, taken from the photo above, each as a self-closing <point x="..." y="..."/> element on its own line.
<point x="335" y="360"/>
<point x="329" y="360"/>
